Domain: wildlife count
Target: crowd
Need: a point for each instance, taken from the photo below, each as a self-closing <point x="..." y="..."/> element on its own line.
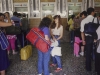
<point x="83" y="44"/>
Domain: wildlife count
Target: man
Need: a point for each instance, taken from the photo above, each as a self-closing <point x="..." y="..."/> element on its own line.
<point x="17" y="22"/>
<point x="88" y="39"/>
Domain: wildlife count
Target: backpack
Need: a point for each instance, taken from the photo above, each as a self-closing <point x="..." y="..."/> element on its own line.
<point x="91" y="27"/>
<point x="36" y="37"/>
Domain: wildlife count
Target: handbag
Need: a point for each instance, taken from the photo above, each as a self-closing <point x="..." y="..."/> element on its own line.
<point x="56" y="51"/>
<point x="91" y="27"/>
<point x="3" y="41"/>
<point x="13" y="30"/>
<point x="36" y="37"/>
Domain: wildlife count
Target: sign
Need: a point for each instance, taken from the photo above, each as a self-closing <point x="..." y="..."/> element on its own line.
<point x="78" y="4"/>
<point x="97" y="4"/>
<point x="70" y="4"/>
<point x="20" y="5"/>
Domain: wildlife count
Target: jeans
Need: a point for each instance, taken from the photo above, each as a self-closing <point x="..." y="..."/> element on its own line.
<point x="43" y="62"/>
<point x="57" y="59"/>
<point x="72" y="38"/>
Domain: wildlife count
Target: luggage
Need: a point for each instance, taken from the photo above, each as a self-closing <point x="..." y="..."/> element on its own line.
<point x="26" y="52"/>
<point x="36" y="37"/>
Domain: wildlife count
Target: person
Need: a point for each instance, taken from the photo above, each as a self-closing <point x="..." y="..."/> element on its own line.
<point x="18" y="23"/>
<point x="77" y="42"/>
<point x="4" y="62"/>
<point x="88" y="39"/>
<point x="56" y="32"/>
<point x="44" y="58"/>
<point x="11" y="38"/>
<point x="71" y="29"/>
<point x="24" y="28"/>
<point x="83" y="16"/>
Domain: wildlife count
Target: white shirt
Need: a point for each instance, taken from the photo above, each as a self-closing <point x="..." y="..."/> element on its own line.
<point x="57" y="31"/>
<point x="88" y="19"/>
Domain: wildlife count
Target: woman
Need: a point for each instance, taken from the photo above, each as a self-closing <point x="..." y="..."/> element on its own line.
<point x="57" y="33"/>
<point x="4" y="62"/>
<point x="43" y="58"/>
<point x="11" y="38"/>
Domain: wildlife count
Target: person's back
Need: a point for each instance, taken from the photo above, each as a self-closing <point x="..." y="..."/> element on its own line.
<point x="25" y="25"/>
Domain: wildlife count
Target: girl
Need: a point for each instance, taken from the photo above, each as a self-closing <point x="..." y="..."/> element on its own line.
<point x="57" y="33"/>
<point x="4" y="62"/>
<point x="11" y="38"/>
<point x="43" y="58"/>
<point x="77" y="43"/>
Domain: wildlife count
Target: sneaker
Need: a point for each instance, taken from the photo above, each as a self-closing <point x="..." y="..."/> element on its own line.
<point x="52" y="65"/>
<point x="82" y="53"/>
<point x="39" y="74"/>
<point x="58" y="70"/>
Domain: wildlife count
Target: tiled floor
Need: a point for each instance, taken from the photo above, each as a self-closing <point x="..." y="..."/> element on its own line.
<point x="71" y="65"/>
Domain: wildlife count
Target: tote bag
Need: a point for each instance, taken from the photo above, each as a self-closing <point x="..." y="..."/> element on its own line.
<point x="36" y="37"/>
<point x="3" y="41"/>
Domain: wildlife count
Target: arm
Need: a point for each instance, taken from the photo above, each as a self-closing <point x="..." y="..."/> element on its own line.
<point x="52" y="35"/>
<point x="3" y="24"/>
<point x="61" y="34"/>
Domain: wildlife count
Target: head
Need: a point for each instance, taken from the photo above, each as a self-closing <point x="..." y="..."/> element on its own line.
<point x="15" y="13"/>
<point x="45" y="22"/>
<point x="91" y="11"/>
<point x="1" y="17"/>
<point x="50" y="16"/>
<point x="73" y="16"/>
<point x="24" y="15"/>
<point x="84" y="14"/>
<point x="57" y="21"/>
<point x="7" y="14"/>
<point x="19" y="15"/>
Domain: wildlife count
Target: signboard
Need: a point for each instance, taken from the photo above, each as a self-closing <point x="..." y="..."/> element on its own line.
<point x="20" y="4"/>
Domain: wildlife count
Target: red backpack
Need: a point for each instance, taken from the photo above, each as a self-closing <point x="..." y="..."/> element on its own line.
<point x="36" y="37"/>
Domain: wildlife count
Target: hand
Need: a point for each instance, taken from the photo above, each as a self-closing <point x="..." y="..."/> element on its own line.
<point x="95" y="40"/>
<point x="54" y="39"/>
<point x="83" y="42"/>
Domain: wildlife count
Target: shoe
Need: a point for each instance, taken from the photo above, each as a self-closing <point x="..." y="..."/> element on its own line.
<point x="58" y="70"/>
<point x="14" y="53"/>
<point x="77" y="55"/>
<point x="52" y="65"/>
<point x="82" y="53"/>
<point x="39" y="74"/>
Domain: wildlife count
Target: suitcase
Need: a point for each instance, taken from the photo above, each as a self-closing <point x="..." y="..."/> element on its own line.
<point x="26" y="52"/>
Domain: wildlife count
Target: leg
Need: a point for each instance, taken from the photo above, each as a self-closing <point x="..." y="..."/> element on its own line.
<point x="88" y="56"/>
<point x="3" y="72"/>
<point x="8" y="49"/>
<point x="77" y="50"/>
<point x="13" y="45"/>
<point x="46" y="60"/>
<point x="58" y="61"/>
<point x="74" y="49"/>
<point x="40" y="62"/>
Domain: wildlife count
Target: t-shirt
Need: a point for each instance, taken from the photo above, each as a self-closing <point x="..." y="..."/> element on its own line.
<point x="46" y="31"/>
<point x="16" y="20"/>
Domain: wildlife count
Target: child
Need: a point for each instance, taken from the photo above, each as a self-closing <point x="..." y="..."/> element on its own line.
<point x="77" y="43"/>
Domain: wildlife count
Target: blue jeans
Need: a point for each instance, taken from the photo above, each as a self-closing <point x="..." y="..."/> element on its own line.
<point x="57" y="59"/>
<point x="43" y="62"/>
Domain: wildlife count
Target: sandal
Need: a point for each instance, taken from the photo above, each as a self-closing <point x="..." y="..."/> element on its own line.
<point x="58" y="70"/>
<point x="52" y="65"/>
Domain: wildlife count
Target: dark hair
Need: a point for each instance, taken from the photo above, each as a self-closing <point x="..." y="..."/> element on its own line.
<point x="84" y="13"/>
<point x="8" y="13"/>
<point x="19" y="14"/>
<point x="53" y="25"/>
<point x="77" y="33"/>
<point x="90" y="10"/>
<point x="24" y="15"/>
<point x="15" y="13"/>
<point x="72" y="16"/>
<point x="45" y="22"/>
<point x="1" y="14"/>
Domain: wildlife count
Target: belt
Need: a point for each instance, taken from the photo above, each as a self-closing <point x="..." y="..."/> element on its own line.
<point x="88" y="35"/>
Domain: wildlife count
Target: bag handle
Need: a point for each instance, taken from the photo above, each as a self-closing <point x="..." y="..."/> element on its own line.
<point x="97" y="20"/>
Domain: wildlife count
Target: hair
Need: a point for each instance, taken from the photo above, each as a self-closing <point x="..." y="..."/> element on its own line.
<point x="24" y="15"/>
<point x="15" y="13"/>
<point x="8" y="13"/>
<point x="1" y="14"/>
<point x="90" y="10"/>
<point x="53" y="25"/>
<point x="72" y="16"/>
<point x="45" y="22"/>
<point x="77" y="33"/>
<point x="19" y="14"/>
<point x="84" y="13"/>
